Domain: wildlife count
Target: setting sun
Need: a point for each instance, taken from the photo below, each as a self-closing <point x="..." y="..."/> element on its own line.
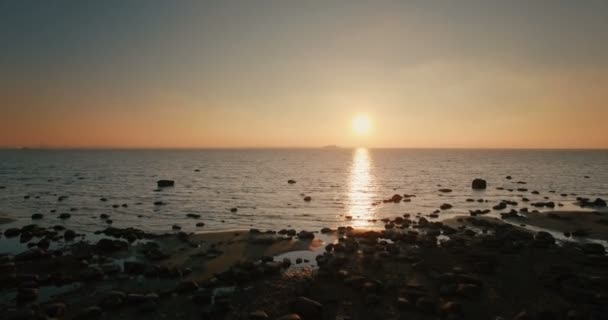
<point x="361" y="125"/>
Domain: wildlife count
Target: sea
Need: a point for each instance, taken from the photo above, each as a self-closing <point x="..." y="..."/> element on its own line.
<point x="232" y="189"/>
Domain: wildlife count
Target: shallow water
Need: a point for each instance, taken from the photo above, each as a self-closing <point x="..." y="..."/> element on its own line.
<point x="341" y="182"/>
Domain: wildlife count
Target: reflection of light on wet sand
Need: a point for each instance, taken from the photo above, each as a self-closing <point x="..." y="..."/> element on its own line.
<point x="360" y="190"/>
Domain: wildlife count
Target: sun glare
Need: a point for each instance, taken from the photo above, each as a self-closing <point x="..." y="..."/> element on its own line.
<point x="362" y="125"/>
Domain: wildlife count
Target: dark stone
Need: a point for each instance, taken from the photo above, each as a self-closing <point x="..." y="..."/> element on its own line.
<point x="445" y="190"/>
<point x="193" y="215"/>
<point x="291" y="181"/>
<point x="257" y="315"/>
<point x="64" y="216"/>
<point x="37" y="216"/>
<point x="12" y="232"/>
<point x="109" y="245"/>
<point x="186" y="286"/>
<point x="479" y="184"/>
<point x="113" y="299"/>
<point x="27" y="294"/>
<point x="165" y="183"/>
<point x="134" y="267"/>
<point x="445" y="206"/>
<point x="306" y="235"/>
<point x="69" y="235"/>
<point x="307" y="308"/>
<point x="307" y="198"/>
<point x="593" y="248"/>
<point x="200" y="224"/>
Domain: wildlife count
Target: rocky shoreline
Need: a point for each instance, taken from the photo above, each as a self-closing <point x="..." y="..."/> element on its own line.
<point x="471" y="267"/>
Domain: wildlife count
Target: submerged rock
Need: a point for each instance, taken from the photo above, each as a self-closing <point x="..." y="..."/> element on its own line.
<point x="165" y="183"/>
<point x="479" y="184"/>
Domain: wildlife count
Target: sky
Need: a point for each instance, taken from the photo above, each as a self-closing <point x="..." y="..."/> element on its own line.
<point x="223" y="74"/>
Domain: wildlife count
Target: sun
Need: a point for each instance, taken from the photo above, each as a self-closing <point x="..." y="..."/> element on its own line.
<point x="362" y="125"/>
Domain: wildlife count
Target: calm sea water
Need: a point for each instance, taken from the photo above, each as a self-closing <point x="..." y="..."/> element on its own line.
<point x="341" y="182"/>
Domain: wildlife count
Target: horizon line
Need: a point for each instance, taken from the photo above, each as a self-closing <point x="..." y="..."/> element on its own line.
<point x="329" y="147"/>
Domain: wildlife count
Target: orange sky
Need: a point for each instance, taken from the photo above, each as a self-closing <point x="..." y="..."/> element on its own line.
<point x="465" y="75"/>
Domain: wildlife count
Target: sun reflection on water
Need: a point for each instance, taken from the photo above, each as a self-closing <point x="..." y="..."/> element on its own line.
<point x="361" y="190"/>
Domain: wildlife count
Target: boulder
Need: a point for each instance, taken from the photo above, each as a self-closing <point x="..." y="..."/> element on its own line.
<point x="165" y="183"/>
<point x="37" y="216"/>
<point x="12" y="232"/>
<point x="306" y="235"/>
<point x="291" y="181"/>
<point x="479" y="184"/>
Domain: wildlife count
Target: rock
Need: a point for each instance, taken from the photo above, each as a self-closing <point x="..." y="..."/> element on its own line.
<point x="187" y="286"/>
<point x="445" y="206"/>
<point x="544" y="238"/>
<point x="445" y="190"/>
<point x="193" y="215"/>
<point x="134" y="267"/>
<point x="176" y="227"/>
<point x="306" y="235"/>
<point x="203" y="297"/>
<point x="113" y="300"/>
<point x="55" y="310"/>
<point x="12" y="232"/>
<point x="234" y="209"/>
<point x="291" y="181"/>
<point x="109" y="245"/>
<point x="64" y="216"/>
<point x="165" y="183"/>
<point x="307" y="308"/>
<point x="291" y="316"/>
<point x="593" y="248"/>
<point x="450" y="308"/>
<point x="479" y="184"/>
<point x="258" y="315"/>
<point x="396" y="198"/>
<point x="69" y="235"/>
<point x="599" y="202"/>
<point x="426" y="304"/>
<point x="90" y="313"/>
<point x="27" y="294"/>
<point x="200" y="224"/>
<point x="326" y="230"/>
<point x="508" y="177"/>
<point x="307" y="198"/>
<point x="159" y="203"/>
<point x="37" y="216"/>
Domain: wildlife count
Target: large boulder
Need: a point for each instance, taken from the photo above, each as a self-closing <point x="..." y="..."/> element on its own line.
<point x="165" y="183"/>
<point x="479" y="184"/>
